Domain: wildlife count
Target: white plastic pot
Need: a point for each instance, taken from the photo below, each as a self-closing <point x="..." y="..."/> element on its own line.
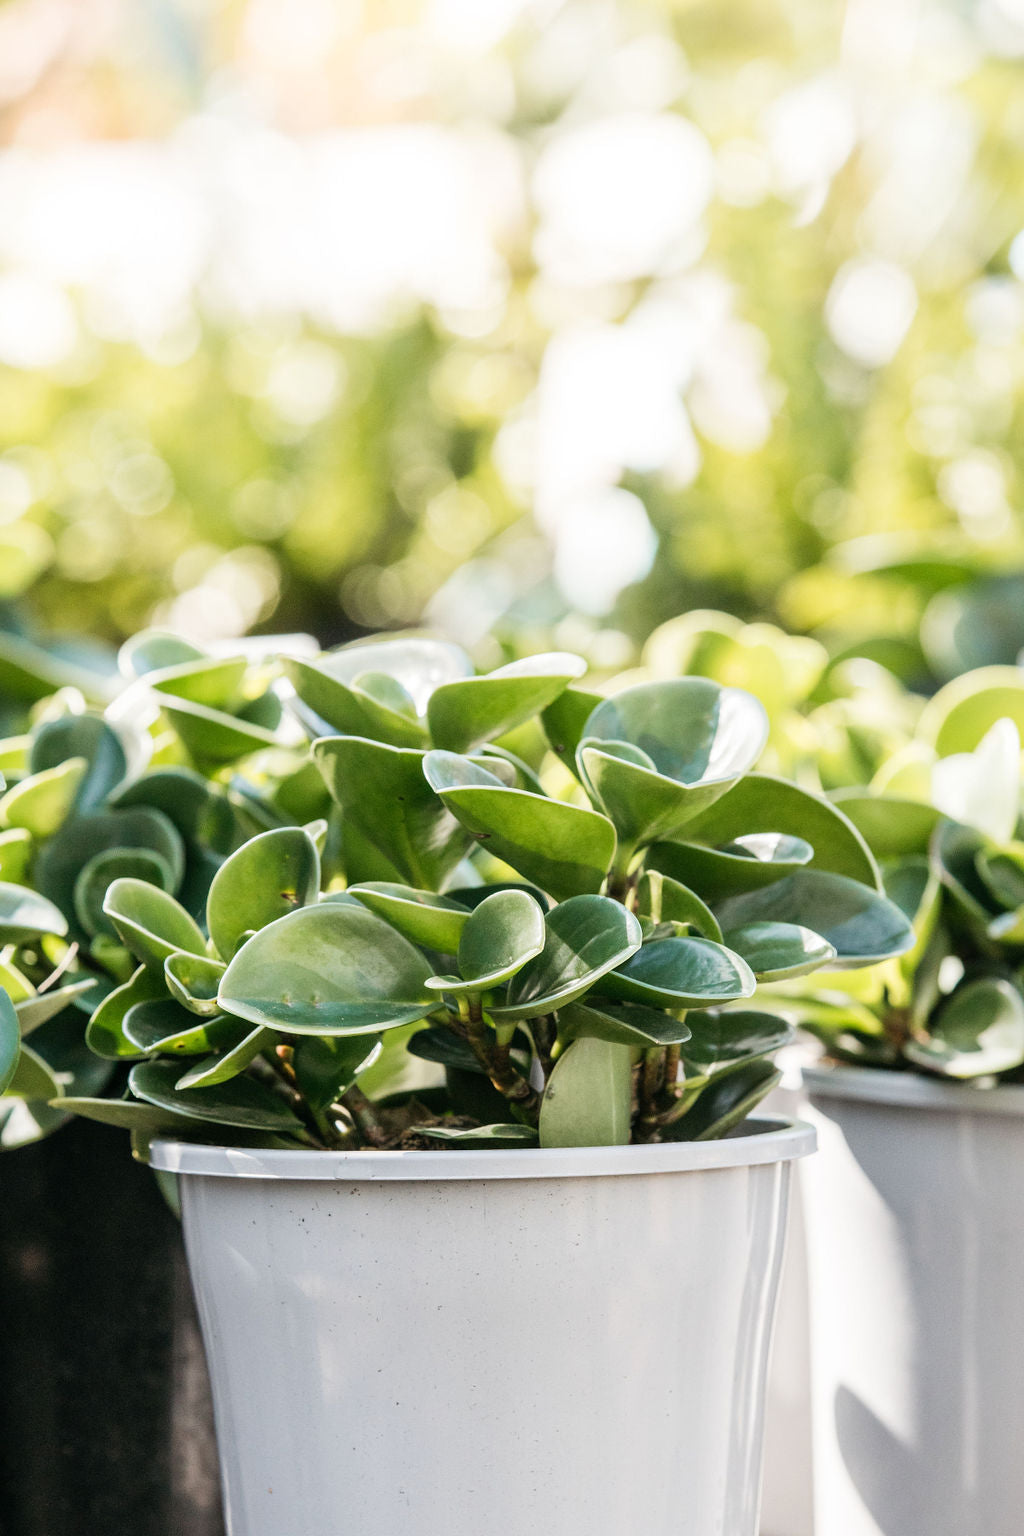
<point x="571" y="1343"/>
<point x="915" y="1222"/>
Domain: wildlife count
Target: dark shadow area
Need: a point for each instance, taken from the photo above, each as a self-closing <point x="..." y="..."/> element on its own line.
<point x="105" y="1418"/>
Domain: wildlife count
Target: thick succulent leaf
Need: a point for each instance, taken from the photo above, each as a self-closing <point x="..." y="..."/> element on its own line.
<point x="681" y="973"/>
<point x="892" y="827"/>
<point x="213" y="681"/>
<point x="24" y="915"/>
<point x="563" y="848"/>
<point x="10" y="1040"/>
<point x="470" y="896"/>
<point x="965" y="710"/>
<point x="434" y="921"/>
<point x="463" y="715"/>
<point x="41" y="802"/>
<point x="665" y="900"/>
<point x="151" y="923"/>
<point x="15" y="855"/>
<point x="81" y="736"/>
<point x="775" y="951"/>
<point x="332" y="969"/>
<point x="442" y="1045"/>
<point x="742" y="865"/>
<point x="242" y="1102"/>
<point x="266" y="878"/>
<point x="199" y="810"/>
<point x="1002" y="870"/>
<point x="720" y="1036"/>
<point x="955" y="854"/>
<point x="979" y="1030"/>
<point x="503" y="933"/>
<point x="860" y="924"/>
<point x="418" y="665"/>
<point x="79" y="840"/>
<point x="127" y="1114"/>
<point x="621" y="1024"/>
<point x="32" y="1078"/>
<point x="163" y="1025"/>
<point x="727" y="1101"/>
<point x="384" y="792"/>
<point x="193" y="980"/>
<point x="655" y="756"/>
<point x="212" y="736"/>
<point x="228" y="1063"/>
<point x="97" y="876"/>
<point x="153" y="650"/>
<point x="332" y="705"/>
<point x="105" y="1031"/>
<point x="326" y="1066"/>
<point x="584" y="938"/>
<point x="479" y="1135"/>
<point x="588" y="1098"/>
<point x="564" y="720"/>
<point x="42" y="1006"/>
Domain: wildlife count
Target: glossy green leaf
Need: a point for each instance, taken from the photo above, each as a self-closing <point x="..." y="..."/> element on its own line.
<point x="151" y="923"/>
<point x="655" y="756"/>
<point x="15" y="855"/>
<point x="212" y="736"/>
<point x="434" y="921"/>
<point x="891" y="825"/>
<point x="194" y="980"/>
<point x="861" y="925"/>
<point x="97" y="876"/>
<point x="588" y="1098"/>
<point x="24" y="915"/>
<point x="198" y="810"/>
<point x="40" y="803"/>
<point x="762" y="803"/>
<point x="384" y="792"/>
<point x="584" y="938"/>
<point x="681" y="973"/>
<point x="464" y="714"/>
<point x="105" y="1032"/>
<point x="502" y="934"/>
<point x="326" y="1066"/>
<point x="213" y="681"/>
<point x="727" y="1101"/>
<point x="441" y="1044"/>
<point x="621" y="1023"/>
<point x="266" y="878"/>
<point x="161" y="1024"/>
<point x="665" y="900"/>
<point x="153" y="650"/>
<point x="332" y="969"/>
<point x="775" y="951"/>
<point x="388" y="717"/>
<point x="81" y="736"/>
<point x="32" y="1078"/>
<point x="965" y="710"/>
<point x="228" y="1063"/>
<point x="81" y="839"/>
<point x="978" y="1031"/>
<point x="564" y="720"/>
<point x="955" y="853"/>
<point x="1002" y="870"/>
<point x="43" y="1006"/>
<point x="742" y="865"/>
<point x="10" y="1040"/>
<point x="563" y="848"/>
<point x="721" y="1036"/>
<point x="479" y="1135"/>
<point x="242" y="1102"/>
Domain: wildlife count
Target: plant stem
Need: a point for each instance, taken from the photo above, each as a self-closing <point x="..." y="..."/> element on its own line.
<point x="367" y="1121"/>
<point x="650" y="1082"/>
<point x="496" y="1062"/>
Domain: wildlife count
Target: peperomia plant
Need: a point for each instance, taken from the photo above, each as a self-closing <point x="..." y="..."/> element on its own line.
<point x="943" y="817"/>
<point x="520" y="953"/>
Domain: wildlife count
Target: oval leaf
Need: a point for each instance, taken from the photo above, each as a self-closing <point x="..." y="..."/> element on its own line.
<point x="584" y="938"/>
<point x="588" y="1099"/>
<point x="463" y="715"/>
<point x="151" y="923"/>
<point x="980" y="1030"/>
<point x="681" y="973"/>
<point x="434" y="921"/>
<point x="775" y="951"/>
<point x="243" y="1102"/>
<point x="268" y="877"/>
<point x="862" y="926"/>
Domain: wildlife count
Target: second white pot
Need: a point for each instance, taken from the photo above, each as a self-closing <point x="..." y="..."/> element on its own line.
<point x="527" y="1341"/>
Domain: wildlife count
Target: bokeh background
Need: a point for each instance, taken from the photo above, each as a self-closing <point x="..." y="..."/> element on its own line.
<point x="525" y="320"/>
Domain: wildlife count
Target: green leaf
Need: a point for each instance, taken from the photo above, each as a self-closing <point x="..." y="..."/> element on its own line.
<point x="333" y="969"/>
<point x="24" y="915"/>
<point x="1002" y="870"/>
<point x="105" y="1031"/>
<point x="151" y="923"/>
<point x="681" y="973"/>
<point x="43" y="1006"/>
<point x="210" y="735"/>
<point x="356" y="711"/>
<point x="127" y="1114"/>
<point x="342" y="687"/>
<point x="97" y="876"/>
<point x="564" y="719"/>
<point x="384" y="792"/>
<point x="213" y="681"/>
<point x="442" y="1045"/>
<point x="775" y="951"/>
<point x="965" y="710"/>
<point x="194" y="981"/>
<point x="861" y="925"/>
<point x="161" y="1024"/>
<point x="584" y="938"/>
<point x="326" y="1066"/>
<point x="81" y="736"/>
<point x="198" y="810"/>
<point x="588" y="1098"/>
<point x="721" y="1036"/>
<point x="10" y="1040"/>
<point x="621" y="1024"/>
<point x="434" y="921"/>
<point x="502" y="934"/>
<point x="655" y="756"/>
<point x="153" y="650"/>
<point x="79" y="840"/>
<point x="892" y="826"/>
<point x="727" y="1101"/>
<point x="763" y="803"/>
<point x="268" y="877"/>
<point x="479" y="1135"/>
<point x="40" y="803"/>
<point x="229" y="1063"/>
<point x="15" y="855"/>
<point x="742" y="865"/>
<point x="464" y="714"/>
<point x="563" y="848"/>
<point x="32" y="1078"/>
<point x="978" y="1031"/>
<point x="242" y="1102"/>
<point x="955" y="854"/>
<point x="665" y="900"/>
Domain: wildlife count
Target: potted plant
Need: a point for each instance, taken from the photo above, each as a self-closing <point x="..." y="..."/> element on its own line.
<point x="916" y="1261"/>
<point x="478" y="1233"/>
<point x="90" y="796"/>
